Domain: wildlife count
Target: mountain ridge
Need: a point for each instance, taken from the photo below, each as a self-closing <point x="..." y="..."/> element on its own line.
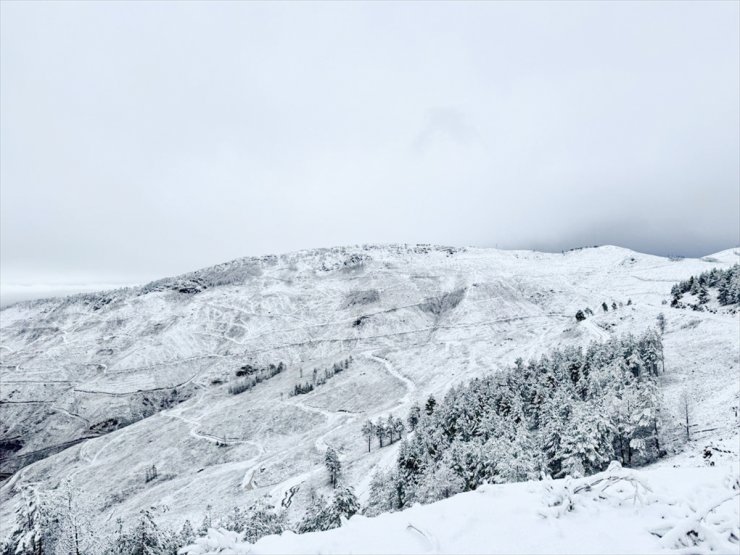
<point x="415" y="321"/>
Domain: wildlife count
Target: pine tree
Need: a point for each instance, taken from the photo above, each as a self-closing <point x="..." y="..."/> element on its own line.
<point x="390" y="427"/>
<point x="473" y="464"/>
<point x="380" y="431"/>
<point x="314" y="519"/>
<point x="429" y="407"/>
<point x="207" y="522"/>
<point x="331" y="460"/>
<point x="368" y="432"/>
<point x="234" y="520"/>
<point x="517" y="455"/>
<point x="414" y="416"/>
<point x="586" y="444"/>
<point x="262" y="519"/>
<point x="439" y="482"/>
<point x="694" y="286"/>
<point x="322" y="515"/>
<point x="382" y="495"/>
<point x="187" y="534"/>
<point x="343" y="507"/>
<point x="398" y="427"/>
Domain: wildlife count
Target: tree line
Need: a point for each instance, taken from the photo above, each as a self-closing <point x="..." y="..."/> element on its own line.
<point x="320" y="378"/>
<point x="249" y="376"/>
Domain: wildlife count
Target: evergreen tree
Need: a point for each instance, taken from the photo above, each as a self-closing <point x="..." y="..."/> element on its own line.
<point x="429" y="407"/>
<point x="315" y="516"/>
<point x="187" y="534"/>
<point x="439" y="482"/>
<point x="368" y="432"/>
<point x="331" y="460"/>
<point x="323" y="515"/>
<point x="262" y="519"/>
<point x="382" y="497"/>
<point x="398" y="427"/>
<point x="344" y="506"/>
<point x="390" y="426"/>
<point x="703" y="297"/>
<point x="587" y="445"/>
<point x="414" y="416"/>
<point x="380" y="431"/>
<point x="207" y="522"/>
<point x="234" y="520"/>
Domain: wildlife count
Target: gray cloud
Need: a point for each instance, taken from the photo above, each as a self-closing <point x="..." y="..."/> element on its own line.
<point x="146" y="139"/>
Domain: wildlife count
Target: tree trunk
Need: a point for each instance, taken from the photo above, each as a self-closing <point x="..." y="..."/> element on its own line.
<point x="688" y="431"/>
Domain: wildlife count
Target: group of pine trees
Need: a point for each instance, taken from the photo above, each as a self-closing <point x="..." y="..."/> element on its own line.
<point x="583" y="314"/>
<point x="385" y="430"/>
<point x="318" y="378"/>
<point x="570" y="412"/>
<point x="725" y="282"/>
<point x="251" y="376"/>
<point x="58" y="523"/>
<point x="323" y="514"/>
<point x="150" y="474"/>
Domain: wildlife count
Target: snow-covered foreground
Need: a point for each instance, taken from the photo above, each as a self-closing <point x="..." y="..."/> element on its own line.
<point x="617" y="511"/>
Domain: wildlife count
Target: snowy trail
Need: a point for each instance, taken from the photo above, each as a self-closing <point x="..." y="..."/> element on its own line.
<point x="82" y="419"/>
<point x="283" y="488"/>
<point x="600" y="333"/>
<point x="410" y="386"/>
<point x="93" y="461"/>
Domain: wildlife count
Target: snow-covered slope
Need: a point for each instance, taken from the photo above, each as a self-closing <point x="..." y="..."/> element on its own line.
<point x="617" y="511"/>
<point x="140" y="377"/>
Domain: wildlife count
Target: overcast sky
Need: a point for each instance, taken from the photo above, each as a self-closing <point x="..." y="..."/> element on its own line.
<point x="140" y="140"/>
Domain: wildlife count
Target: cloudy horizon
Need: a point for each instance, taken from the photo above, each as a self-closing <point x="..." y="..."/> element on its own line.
<point x="140" y="140"/>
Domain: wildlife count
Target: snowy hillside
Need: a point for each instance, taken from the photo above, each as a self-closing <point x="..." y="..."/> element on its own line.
<point x="623" y="512"/>
<point x="100" y="388"/>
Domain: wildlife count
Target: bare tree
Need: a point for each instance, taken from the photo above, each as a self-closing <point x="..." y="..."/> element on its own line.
<point x="686" y="411"/>
<point x="661" y="323"/>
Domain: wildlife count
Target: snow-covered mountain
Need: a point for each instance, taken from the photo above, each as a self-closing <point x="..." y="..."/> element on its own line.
<point x="99" y="388"/>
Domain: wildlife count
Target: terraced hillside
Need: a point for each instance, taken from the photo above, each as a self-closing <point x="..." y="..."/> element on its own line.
<point x="99" y="388"/>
